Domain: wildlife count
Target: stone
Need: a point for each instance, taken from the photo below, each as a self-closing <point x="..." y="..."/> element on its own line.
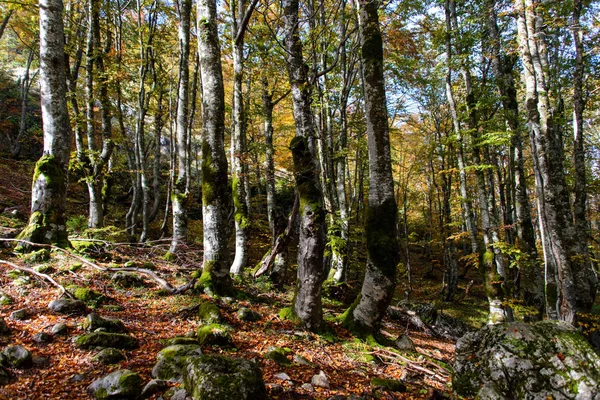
<point x="320" y="380"/>
<point x="126" y="279"/>
<point x="249" y="315"/>
<point x="42" y="337"/>
<point x="17" y="356"/>
<point x="109" y="356"/>
<point x="391" y="385"/>
<point x="404" y="343"/>
<point x="122" y="384"/>
<point x="19" y="315"/>
<point x="278" y="355"/>
<point x="4" y="328"/>
<point x="308" y="387"/>
<point x="179" y="340"/>
<point x="5" y="299"/>
<point x="282" y="376"/>
<point x="298" y="359"/>
<point x="526" y="360"/>
<point x="215" y="335"/>
<point x="153" y="387"/>
<point x="209" y="313"/>
<point x="179" y="394"/>
<point x="171" y="360"/>
<point x="94" y="321"/>
<point x="4" y="376"/>
<point x="106" y="339"/>
<point x="67" y="306"/>
<point x="77" y="378"/>
<point x="219" y="377"/>
<point x="88" y="296"/>
<point x="59" y="328"/>
<point x="40" y="362"/>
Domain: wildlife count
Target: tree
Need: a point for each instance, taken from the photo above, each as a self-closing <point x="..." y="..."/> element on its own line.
<point x="381" y="228"/>
<point x="49" y="190"/>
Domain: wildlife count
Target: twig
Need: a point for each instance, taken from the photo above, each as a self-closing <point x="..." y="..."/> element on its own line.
<point x="38" y="274"/>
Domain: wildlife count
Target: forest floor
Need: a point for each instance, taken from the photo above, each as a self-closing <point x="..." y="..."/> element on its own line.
<point x="151" y="315"/>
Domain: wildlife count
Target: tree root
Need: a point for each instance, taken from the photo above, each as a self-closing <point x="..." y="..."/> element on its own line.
<point x="39" y="275"/>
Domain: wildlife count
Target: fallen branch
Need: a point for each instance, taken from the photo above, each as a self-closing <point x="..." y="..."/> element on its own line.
<point x="411" y="318"/>
<point x="38" y="274"/>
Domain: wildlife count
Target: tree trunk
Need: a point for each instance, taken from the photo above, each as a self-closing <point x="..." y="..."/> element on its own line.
<point x="307" y="303"/>
<point x="215" y="194"/>
<point x="25" y="86"/>
<point x="381" y="228"/>
<point x="49" y="190"/>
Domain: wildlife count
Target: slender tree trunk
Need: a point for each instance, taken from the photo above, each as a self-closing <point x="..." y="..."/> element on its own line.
<point x="215" y="194"/>
<point x="307" y="303"/>
<point x="267" y="107"/>
<point x="25" y="86"/>
<point x="381" y="230"/>
<point x="49" y="190"/>
<point x="180" y="195"/>
<point x="4" y="22"/>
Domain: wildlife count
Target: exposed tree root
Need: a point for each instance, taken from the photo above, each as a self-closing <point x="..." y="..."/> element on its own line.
<point x="39" y="275"/>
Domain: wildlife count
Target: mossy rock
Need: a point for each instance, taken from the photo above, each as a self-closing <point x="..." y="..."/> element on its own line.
<point x="44" y="269"/>
<point x="127" y="279"/>
<point x="179" y="340"/>
<point x="90" y="297"/>
<point x="67" y="306"/>
<point x="278" y="355"/>
<point x="21" y="281"/>
<point x="20" y="315"/>
<point x="86" y="247"/>
<point x="219" y="377"/>
<point x="109" y="356"/>
<point x="171" y="360"/>
<point x="36" y="256"/>
<point x="15" y="274"/>
<point x="106" y="339"/>
<point x="391" y="385"/>
<point x="122" y="384"/>
<point x="17" y="356"/>
<point x="94" y="321"/>
<point x="75" y="267"/>
<point x="148" y="265"/>
<point x="249" y="315"/>
<point x="108" y="233"/>
<point x="6" y="299"/>
<point x="215" y="334"/>
<point x="209" y="313"/>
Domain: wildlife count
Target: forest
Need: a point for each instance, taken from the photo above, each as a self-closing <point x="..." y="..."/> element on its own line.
<point x="318" y="199"/>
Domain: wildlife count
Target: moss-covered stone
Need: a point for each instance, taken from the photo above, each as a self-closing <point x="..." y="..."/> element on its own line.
<point x="75" y="267"/>
<point x="67" y="306"/>
<point x="106" y="339"/>
<point x="36" y="256"/>
<point x="218" y="377"/>
<point x="5" y="299"/>
<point x="278" y="355"/>
<point x="391" y="385"/>
<point x="247" y="314"/>
<point x="122" y="384"/>
<point x="90" y="297"/>
<point x="209" y="313"/>
<point x="108" y="356"/>
<point x="94" y="321"/>
<point x="44" y="269"/>
<point x="125" y="279"/>
<point x="171" y="360"/>
<point x="215" y="334"/>
<point x="17" y="356"/>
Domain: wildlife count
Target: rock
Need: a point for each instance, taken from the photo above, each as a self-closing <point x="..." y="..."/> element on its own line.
<point x="40" y="362"/>
<point x="209" y="313"/>
<point x="122" y="384"/>
<point x="179" y="340"/>
<point x="320" y="380"/>
<point x="17" y="356"/>
<point x="126" y="279"/>
<point x="219" y="377"/>
<point x="19" y="315"/>
<point x="278" y="355"/>
<point x="67" y="306"/>
<point x="4" y="376"/>
<point x="450" y="327"/>
<point x="274" y="389"/>
<point x="4" y="328"/>
<point x="298" y="359"/>
<point x="77" y="378"/>
<point x="247" y="314"/>
<point x="41" y="337"/>
<point x="171" y="360"/>
<point x="106" y="339"/>
<point x="36" y="256"/>
<point x="44" y="269"/>
<point x="109" y="356"/>
<point x="5" y="299"/>
<point x="520" y="360"/>
<point x="94" y="321"/>
<point x="404" y="343"/>
<point x="282" y="376"/>
<point x="59" y="328"/>
<point x="308" y="387"/>
<point x="179" y="394"/>
<point x="153" y="387"/>
<point x="215" y="334"/>
<point x="391" y="385"/>
<point x="88" y="296"/>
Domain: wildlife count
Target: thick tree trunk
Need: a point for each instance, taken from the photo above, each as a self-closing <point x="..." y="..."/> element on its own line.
<point x="49" y="190"/>
<point x="307" y="303"/>
<point x="215" y="194"/>
<point x="381" y="228"/>
<point x="180" y="194"/>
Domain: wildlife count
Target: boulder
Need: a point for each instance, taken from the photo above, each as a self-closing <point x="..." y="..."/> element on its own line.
<point x="215" y="334"/>
<point x="122" y="384"/>
<point x="19" y="315"/>
<point x="127" y="279"/>
<point x="59" y="328"/>
<point x="247" y="314"/>
<point x="278" y="355"/>
<point x="320" y="380"/>
<point x="4" y="329"/>
<point x="41" y="337"/>
<point x="106" y="339"/>
<point x="219" y="377"/>
<point x="520" y="360"/>
<point x="209" y="313"/>
<point x="404" y="343"/>
<point x="67" y="306"/>
<point x="171" y="360"/>
<point x="109" y="356"/>
<point x="153" y="387"/>
<point x="17" y="356"/>
<point x="94" y="321"/>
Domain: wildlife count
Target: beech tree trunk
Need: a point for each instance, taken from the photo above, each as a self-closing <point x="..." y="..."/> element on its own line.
<point x="215" y="194"/>
<point x="307" y="303"/>
<point x="49" y="189"/>
<point x="381" y="228"/>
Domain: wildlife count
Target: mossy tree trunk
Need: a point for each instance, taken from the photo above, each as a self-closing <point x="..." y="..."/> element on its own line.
<point x="180" y="193"/>
<point x="216" y="198"/>
<point x="381" y="227"/>
<point x="49" y="190"/>
<point x="307" y="303"/>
